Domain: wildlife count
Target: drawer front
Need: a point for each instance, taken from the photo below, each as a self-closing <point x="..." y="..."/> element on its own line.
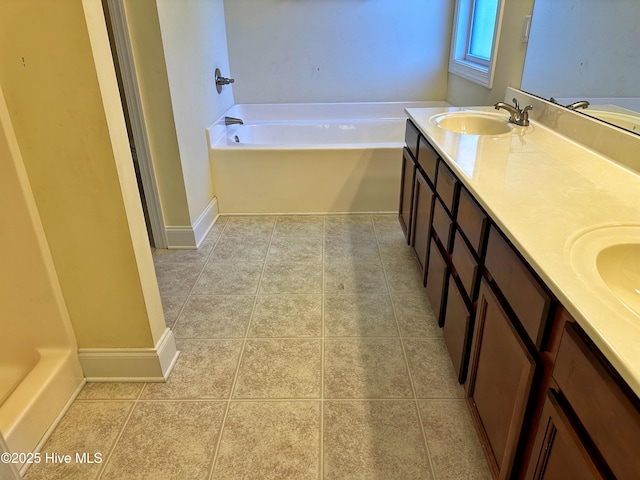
<point x="472" y="221"/>
<point x="465" y="265"/>
<point x="442" y="225"/>
<point x="456" y="330"/>
<point x="610" y="418"/>
<point x="436" y="280"/>
<point x="411" y="135"/>
<point x="447" y="187"/>
<point x="428" y="159"/>
<point x="526" y="297"/>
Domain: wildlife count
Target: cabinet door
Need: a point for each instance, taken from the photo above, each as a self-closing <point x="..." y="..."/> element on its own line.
<point x="456" y="329"/>
<point x="406" y="193"/>
<point x="421" y="219"/>
<point x="437" y="281"/>
<point x="558" y="452"/>
<point x="501" y="372"/>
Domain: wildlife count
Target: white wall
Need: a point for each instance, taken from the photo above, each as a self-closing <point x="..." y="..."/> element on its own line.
<point x="584" y="48"/>
<point x="194" y="40"/>
<point x="336" y="51"/>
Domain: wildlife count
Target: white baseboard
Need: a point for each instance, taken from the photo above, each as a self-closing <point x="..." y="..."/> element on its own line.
<point x="192" y="236"/>
<point x="130" y="364"/>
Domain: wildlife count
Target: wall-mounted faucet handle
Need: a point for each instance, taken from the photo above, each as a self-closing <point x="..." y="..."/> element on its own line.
<point x="220" y="80"/>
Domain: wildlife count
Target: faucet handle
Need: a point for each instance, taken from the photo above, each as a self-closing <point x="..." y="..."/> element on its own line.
<point x="515" y="102"/>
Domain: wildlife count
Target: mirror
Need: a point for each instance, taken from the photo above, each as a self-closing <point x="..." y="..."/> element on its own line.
<point x="587" y="50"/>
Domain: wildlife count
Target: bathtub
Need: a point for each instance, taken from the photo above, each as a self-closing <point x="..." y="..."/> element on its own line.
<point x="309" y="158"/>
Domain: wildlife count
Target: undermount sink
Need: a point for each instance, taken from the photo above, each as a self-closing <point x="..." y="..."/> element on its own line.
<point x="473" y="123"/>
<point x="608" y="260"/>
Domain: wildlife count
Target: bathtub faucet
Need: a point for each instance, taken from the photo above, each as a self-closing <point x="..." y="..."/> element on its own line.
<point x="232" y="121"/>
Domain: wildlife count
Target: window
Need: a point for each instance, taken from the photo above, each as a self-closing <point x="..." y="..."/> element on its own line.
<point x="474" y="43"/>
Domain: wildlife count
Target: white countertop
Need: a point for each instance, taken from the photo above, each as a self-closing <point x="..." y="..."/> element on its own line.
<point x="545" y="191"/>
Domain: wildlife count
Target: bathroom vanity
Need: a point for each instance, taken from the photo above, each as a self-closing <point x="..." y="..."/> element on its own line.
<point x="508" y="224"/>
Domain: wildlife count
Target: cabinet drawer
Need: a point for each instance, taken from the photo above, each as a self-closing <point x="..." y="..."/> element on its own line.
<point x="465" y="265"/>
<point x="442" y="225"/>
<point x="472" y="221"/>
<point x="456" y="329"/>
<point x="525" y="295"/>
<point x="411" y="135"/>
<point x="436" y="280"/>
<point x="610" y="417"/>
<point x="447" y="187"/>
<point x="428" y="159"/>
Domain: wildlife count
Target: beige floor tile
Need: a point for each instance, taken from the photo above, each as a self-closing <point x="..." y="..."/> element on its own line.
<point x="373" y="440"/>
<point x="249" y="225"/>
<point x="279" y="368"/>
<point x="87" y="427"/>
<point x="295" y="249"/>
<point x="359" y="315"/>
<point x="415" y="316"/>
<point x="348" y="225"/>
<point x="205" y="369"/>
<point x="394" y="249"/>
<point x="455" y="449"/>
<point x="167" y="440"/>
<point x="365" y="368"/>
<point x="403" y="277"/>
<point x="215" y="316"/>
<point x="351" y="250"/>
<point x="431" y="369"/>
<point x="171" y="305"/>
<point x="287" y="316"/>
<point x="216" y="229"/>
<point x="177" y="278"/>
<point x="243" y="249"/>
<point x="163" y="255"/>
<point x="299" y="225"/>
<point x="110" y="391"/>
<point x="347" y="277"/>
<point x="387" y="226"/>
<point x="270" y="440"/>
<point x="232" y="278"/>
<point x="291" y="278"/>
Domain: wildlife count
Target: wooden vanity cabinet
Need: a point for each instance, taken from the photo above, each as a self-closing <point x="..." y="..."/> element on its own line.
<point x="437" y="274"/>
<point x="499" y="383"/>
<point x="406" y="192"/>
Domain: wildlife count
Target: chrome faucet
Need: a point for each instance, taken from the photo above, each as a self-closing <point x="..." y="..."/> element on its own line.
<point x="233" y="121"/>
<point x="579" y="104"/>
<point x="518" y="116"/>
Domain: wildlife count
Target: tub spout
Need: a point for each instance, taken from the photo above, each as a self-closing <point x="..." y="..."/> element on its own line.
<point x="232" y="121"/>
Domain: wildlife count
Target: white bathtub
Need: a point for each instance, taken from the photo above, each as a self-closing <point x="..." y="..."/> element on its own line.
<point x="309" y="158"/>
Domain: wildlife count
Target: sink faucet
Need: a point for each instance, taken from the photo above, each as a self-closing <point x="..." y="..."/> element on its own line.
<point x="579" y="104"/>
<point x="518" y="116"/>
<point x="232" y="121"/>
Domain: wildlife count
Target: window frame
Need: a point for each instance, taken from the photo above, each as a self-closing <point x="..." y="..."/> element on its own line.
<point x="461" y="62"/>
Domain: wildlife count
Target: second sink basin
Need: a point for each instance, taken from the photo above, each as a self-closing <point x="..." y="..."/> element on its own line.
<point x="608" y="261"/>
<point x="473" y="123"/>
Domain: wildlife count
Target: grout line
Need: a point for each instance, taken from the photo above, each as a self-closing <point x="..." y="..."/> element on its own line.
<point x="322" y="359"/>
<point x="105" y="461"/>
<point x="240" y="357"/>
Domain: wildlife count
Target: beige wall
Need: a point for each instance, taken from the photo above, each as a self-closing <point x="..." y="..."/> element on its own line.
<point x="151" y="72"/>
<point x="33" y="311"/>
<point x="194" y="40"/>
<point x="509" y="63"/>
<point x="59" y="84"/>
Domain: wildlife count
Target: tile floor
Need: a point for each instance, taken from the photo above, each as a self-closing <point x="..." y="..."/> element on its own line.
<point x="308" y="351"/>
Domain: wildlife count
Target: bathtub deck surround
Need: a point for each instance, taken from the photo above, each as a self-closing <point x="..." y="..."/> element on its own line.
<point x="308" y="351"/>
<point x="309" y="158"/>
